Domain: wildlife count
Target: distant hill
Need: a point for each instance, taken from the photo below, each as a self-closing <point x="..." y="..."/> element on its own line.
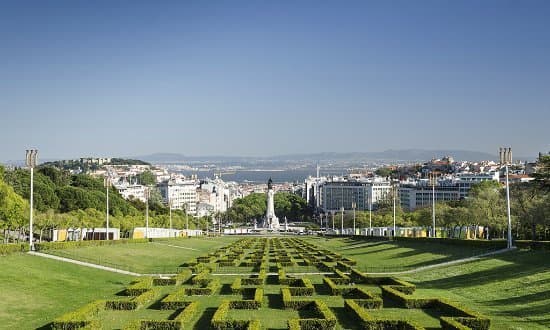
<point x="396" y="155"/>
<point x="387" y="155"/>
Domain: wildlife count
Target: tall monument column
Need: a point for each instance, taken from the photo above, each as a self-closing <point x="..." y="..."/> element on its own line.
<point x="271" y="221"/>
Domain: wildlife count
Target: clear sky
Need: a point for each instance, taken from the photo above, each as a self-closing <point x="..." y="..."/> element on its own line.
<point x="122" y="78"/>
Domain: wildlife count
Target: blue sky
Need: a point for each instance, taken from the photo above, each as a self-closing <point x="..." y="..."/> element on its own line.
<point x="122" y="78"/>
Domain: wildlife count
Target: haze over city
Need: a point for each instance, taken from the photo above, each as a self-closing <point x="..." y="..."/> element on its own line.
<point x="259" y="79"/>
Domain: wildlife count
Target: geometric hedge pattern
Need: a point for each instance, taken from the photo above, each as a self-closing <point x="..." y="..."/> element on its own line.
<point x="270" y="280"/>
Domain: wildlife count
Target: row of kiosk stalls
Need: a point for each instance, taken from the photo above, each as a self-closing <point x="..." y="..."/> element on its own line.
<point x="151" y="232"/>
<point x="78" y="234"/>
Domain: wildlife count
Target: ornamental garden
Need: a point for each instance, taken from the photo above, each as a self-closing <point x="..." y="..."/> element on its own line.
<point x="271" y="283"/>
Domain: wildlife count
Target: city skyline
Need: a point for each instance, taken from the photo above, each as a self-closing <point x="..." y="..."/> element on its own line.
<point x="242" y="78"/>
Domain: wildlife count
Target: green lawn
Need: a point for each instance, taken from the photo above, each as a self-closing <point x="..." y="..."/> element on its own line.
<point x="387" y="256"/>
<point x="34" y="290"/>
<point x="161" y="256"/>
<point x="513" y="288"/>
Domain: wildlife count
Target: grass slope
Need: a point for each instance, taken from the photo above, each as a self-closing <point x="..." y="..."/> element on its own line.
<point x="161" y="256"/>
<point x="387" y="256"/>
<point x="34" y="290"/>
<point x="513" y="288"/>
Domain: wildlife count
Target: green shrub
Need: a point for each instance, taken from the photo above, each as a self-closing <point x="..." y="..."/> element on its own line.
<point x="183" y="276"/>
<point x="354" y="309"/>
<point x="336" y="289"/>
<point x="188" y="312"/>
<point x="201" y="278"/>
<point x="164" y="281"/>
<point x="211" y="286"/>
<point x="80" y="318"/>
<point x="6" y="249"/>
<point x="325" y="319"/>
<point x="488" y="244"/>
<point x="139" y="287"/>
<point x="301" y="287"/>
<point x="175" y="300"/>
<point x="221" y="321"/>
<point x="533" y="245"/>
<point x="132" y="303"/>
<point x="76" y="244"/>
<point x="236" y="286"/>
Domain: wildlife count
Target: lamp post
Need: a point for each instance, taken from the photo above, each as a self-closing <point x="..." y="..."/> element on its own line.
<point x="107" y="185"/>
<point x="353" y="206"/>
<point x="370" y="214"/>
<point x="186" y="218"/>
<point x="394" y="197"/>
<point x="30" y="159"/>
<point x="147" y="212"/>
<point x="433" y="204"/>
<point x="170" y="211"/>
<point x="506" y="157"/>
<point x="333" y="212"/>
<point x="342" y="222"/>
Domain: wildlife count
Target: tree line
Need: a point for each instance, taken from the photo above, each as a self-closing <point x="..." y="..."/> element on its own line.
<point x="485" y="206"/>
<point x="62" y="200"/>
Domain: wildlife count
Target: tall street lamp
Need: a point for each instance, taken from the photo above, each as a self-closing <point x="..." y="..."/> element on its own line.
<point x="370" y="214"/>
<point x="170" y="212"/>
<point x="394" y="197"/>
<point x="433" y="203"/>
<point x="507" y="160"/>
<point x="147" y="195"/>
<point x="30" y="159"/>
<point x="342" y="222"/>
<point x="107" y="185"/>
<point x="353" y="206"/>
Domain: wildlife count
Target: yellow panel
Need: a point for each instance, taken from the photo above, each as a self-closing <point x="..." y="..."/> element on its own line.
<point x="62" y="235"/>
<point x="137" y="234"/>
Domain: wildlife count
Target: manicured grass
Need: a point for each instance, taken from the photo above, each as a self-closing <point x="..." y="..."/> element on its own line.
<point x="513" y="288"/>
<point x="34" y="290"/>
<point x="160" y="256"/>
<point x="387" y="256"/>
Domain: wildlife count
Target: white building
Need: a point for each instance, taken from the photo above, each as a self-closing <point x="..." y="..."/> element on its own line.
<point x="421" y="194"/>
<point x="180" y="195"/>
<point x="131" y="191"/>
<point x="364" y="193"/>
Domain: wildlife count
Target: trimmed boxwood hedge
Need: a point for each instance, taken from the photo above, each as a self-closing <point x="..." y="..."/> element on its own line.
<point x="325" y="320"/>
<point x="80" y="318"/>
<point x="212" y="285"/>
<point x="183" y="276"/>
<point x="164" y="281"/>
<point x="75" y="244"/>
<point x="458" y="313"/>
<point x="368" y="322"/>
<point x="139" y="287"/>
<point x="221" y="321"/>
<point x="533" y="245"/>
<point x="183" y="316"/>
<point x="132" y="303"/>
<point x="6" y="249"/>
<point x="489" y="244"/>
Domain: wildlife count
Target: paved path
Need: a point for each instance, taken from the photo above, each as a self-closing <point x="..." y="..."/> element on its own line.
<point x="176" y="246"/>
<point x="120" y="271"/>
<point x="448" y="263"/>
<point x="82" y="263"/>
<point x="362" y="245"/>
